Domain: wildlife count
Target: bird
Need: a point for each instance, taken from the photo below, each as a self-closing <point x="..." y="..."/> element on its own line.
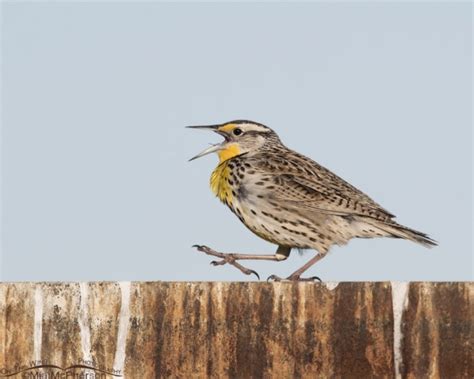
<point x="289" y="199"/>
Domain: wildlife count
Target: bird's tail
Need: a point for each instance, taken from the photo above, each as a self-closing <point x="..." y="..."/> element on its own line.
<point x="399" y="231"/>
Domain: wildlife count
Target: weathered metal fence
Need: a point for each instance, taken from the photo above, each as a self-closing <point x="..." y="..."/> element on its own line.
<point x="236" y="330"/>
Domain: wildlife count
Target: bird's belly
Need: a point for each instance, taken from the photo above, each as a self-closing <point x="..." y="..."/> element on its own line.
<point x="286" y="227"/>
<point x="269" y="225"/>
<point x="249" y="215"/>
<point x="272" y="221"/>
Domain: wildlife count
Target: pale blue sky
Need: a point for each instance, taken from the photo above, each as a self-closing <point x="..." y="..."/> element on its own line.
<point x="95" y="179"/>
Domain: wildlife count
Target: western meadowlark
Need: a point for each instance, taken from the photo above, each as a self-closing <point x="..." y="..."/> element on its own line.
<point x="289" y="199"/>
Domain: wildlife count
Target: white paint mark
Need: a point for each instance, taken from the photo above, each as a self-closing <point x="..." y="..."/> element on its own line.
<point x="399" y="304"/>
<point x="301" y="313"/>
<point x="38" y="320"/>
<point x="218" y="296"/>
<point x="331" y="285"/>
<point x="3" y="296"/>
<point x="277" y="296"/>
<point x="124" y="318"/>
<point x="84" y="323"/>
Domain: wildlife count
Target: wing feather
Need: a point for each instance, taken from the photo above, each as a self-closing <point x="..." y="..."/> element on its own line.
<point x="301" y="183"/>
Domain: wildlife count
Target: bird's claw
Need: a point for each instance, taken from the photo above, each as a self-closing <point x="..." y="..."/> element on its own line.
<point x="274" y="278"/>
<point x="253" y="272"/>
<point x="202" y="248"/>
<point x="299" y="279"/>
<point x="219" y="263"/>
<point x="291" y="278"/>
<point x="225" y="258"/>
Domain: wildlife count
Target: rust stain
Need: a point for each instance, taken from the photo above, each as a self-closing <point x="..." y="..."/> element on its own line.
<point x="438" y="330"/>
<point x="103" y="310"/>
<point x="61" y="340"/>
<point x="16" y="324"/>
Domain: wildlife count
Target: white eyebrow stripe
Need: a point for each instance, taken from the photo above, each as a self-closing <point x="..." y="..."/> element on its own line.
<point x="252" y="128"/>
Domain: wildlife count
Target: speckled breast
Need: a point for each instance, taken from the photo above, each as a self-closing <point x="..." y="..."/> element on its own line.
<point x="232" y="182"/>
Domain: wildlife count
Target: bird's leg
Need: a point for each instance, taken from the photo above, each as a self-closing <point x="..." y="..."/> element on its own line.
<point x="281" y="254"/>
<point x="296" y="276"/>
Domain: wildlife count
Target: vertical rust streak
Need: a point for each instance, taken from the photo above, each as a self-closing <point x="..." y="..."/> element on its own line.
<point x="141" y="345"/>
<point x="437" y="331"/>
<point x="348" y="334"/>
<point x="18" y="320"/>
<point x="61" y="341"/>
<point x="362" y="340"/>
<point x="380" y="325"/>
<point x="103" y="304"/>
<point x="162" y="330"/>
<point x="3" y="325"/>
<point x="455" y="329"/>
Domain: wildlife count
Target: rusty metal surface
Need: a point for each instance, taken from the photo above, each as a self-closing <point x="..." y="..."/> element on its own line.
<point x="239" y="330"/>
<point x="438" y="331"/>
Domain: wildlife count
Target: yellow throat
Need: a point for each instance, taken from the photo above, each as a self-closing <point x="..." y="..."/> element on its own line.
<point x="229" y="152"/>
<point x="219" y="178"/>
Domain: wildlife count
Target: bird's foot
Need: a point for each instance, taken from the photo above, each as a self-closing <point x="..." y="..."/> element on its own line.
<point x="274" y="278"/>
<point x="225" y="259"/>
<point x="293" y="278"/>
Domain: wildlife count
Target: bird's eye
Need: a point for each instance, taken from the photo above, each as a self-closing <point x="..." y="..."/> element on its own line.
<point x="237" y="132"/>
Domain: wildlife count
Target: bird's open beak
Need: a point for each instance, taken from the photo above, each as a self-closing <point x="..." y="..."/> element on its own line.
<point x="212" y="149"/>
<point x="209" y="150"/>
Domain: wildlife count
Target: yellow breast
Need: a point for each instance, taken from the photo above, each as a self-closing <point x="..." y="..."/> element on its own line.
<point x="219" y="183"/>
<point x="220" y="176"/>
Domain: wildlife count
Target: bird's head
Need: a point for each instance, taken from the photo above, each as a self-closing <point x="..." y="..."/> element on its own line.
<point x="240" y="137"/>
